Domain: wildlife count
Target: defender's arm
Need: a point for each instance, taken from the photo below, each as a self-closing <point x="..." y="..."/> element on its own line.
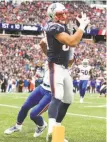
<point x="70" y="62"/>
<point x="43" y="45"/>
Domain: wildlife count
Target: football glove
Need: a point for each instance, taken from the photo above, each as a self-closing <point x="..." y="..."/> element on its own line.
<point x="83" y="21"/>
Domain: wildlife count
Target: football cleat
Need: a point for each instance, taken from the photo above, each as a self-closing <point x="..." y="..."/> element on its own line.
<point x="81" y="100"/>
<point x="13" y="129"/>
<point x="65" y="140"/>
<point x="40" y="129"/>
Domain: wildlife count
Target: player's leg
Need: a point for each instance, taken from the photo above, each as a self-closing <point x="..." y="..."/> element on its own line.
<point x="80" y="88"/>
<point x="81" y="91"/>
<point x="92" y="89"/>
<point x="52" y="113"/>
<point x="67" y="98"/>
<point x="56" y="82"/>
<point x="36" y="112"/>
<point x="84" y="87"/>
<point x="31" y="101"/>
<point x="102" y="91"/>
<point x="98" y="88"/>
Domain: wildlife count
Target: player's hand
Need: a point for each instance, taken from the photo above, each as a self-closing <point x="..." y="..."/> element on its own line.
<point x="84" y="21"/>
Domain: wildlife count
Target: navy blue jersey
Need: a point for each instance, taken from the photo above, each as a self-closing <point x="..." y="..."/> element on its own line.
<point x="57" y="52"/>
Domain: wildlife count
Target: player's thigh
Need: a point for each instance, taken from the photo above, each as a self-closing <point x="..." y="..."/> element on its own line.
<point x="35" y="96"/>
<point x="46" y="99"/>
<point x="80" y="84"/>
<point x="68" y="88"/>
<point x="59" y="91"/>
<point x="57" y="81"/>
<point x="43" y="104"/>
<point x="85" y="82"/>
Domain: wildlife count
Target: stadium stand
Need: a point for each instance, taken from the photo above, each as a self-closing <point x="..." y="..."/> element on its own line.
<point x="20" y="56"/>
<point x="35" y="12"/>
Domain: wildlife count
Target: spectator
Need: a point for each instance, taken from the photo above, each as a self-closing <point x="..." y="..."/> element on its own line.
<point x="31" y="13"/>
<point x="20" y="84"/>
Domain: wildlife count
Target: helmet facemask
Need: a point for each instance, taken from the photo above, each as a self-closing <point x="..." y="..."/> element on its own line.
<point x="58" y="13"/>
<point x="85" y="62"/>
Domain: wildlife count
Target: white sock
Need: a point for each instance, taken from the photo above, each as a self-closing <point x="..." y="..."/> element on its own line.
<point x="58" y="124"/>
<point x="51" y="124"/>
<point x="18" y="126"/>
<point x="42" y="126"/>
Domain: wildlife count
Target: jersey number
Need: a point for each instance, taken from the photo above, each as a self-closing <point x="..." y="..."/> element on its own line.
<point x="85" y="72"/>
<point x="65" y="48"/>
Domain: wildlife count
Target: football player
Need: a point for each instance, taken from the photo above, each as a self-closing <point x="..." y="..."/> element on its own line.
<point x="39" y="76"/>
<point x="93" y="84"/>
<point x="59" y="43"/>
<point x="39" y="100"/>
<point x="103" y="89"/>
<point x="98" y="84"/>
<point x="84" y="76"/>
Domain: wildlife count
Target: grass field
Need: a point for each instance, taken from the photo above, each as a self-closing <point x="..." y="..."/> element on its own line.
<point x="84" y="122"/>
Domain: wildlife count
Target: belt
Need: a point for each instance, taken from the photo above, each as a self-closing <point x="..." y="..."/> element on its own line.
<point x="46" y="85"/>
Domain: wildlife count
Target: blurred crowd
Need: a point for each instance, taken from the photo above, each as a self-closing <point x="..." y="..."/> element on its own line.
<point x="35" y="13"/>
<point x="95" y="52"/>
<point x="21" y="57"/>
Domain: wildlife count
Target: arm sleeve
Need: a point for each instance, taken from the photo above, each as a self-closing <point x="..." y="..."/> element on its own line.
<point x="56" y="29"/>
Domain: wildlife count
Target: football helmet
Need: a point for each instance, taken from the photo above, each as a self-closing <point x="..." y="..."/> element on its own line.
<point x="58" y="13"/>
<point x="85" y="62"/>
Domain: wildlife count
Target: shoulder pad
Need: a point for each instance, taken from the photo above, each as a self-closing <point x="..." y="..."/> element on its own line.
<point x="55" y="29"/>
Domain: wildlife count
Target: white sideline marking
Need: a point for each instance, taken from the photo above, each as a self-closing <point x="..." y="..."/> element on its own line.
<point x="4" y="105"/>
<point x="81" y="115"/>
<point x="25" y="97"/>
<point x="20" y="97"/>
<point x="16" y="97"/>
<point x="88" y="103"/>
<point x="97" y="106"/>
<point x="84" y="102"/>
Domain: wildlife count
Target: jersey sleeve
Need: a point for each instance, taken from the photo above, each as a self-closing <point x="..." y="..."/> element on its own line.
<point x="56" y="29"/>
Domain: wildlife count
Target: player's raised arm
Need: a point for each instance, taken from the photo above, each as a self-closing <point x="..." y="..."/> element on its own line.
<point x="73" y="40"/>
<point x="59" y="14"/>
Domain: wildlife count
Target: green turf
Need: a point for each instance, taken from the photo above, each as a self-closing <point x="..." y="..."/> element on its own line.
<point x="80" y="127"/>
